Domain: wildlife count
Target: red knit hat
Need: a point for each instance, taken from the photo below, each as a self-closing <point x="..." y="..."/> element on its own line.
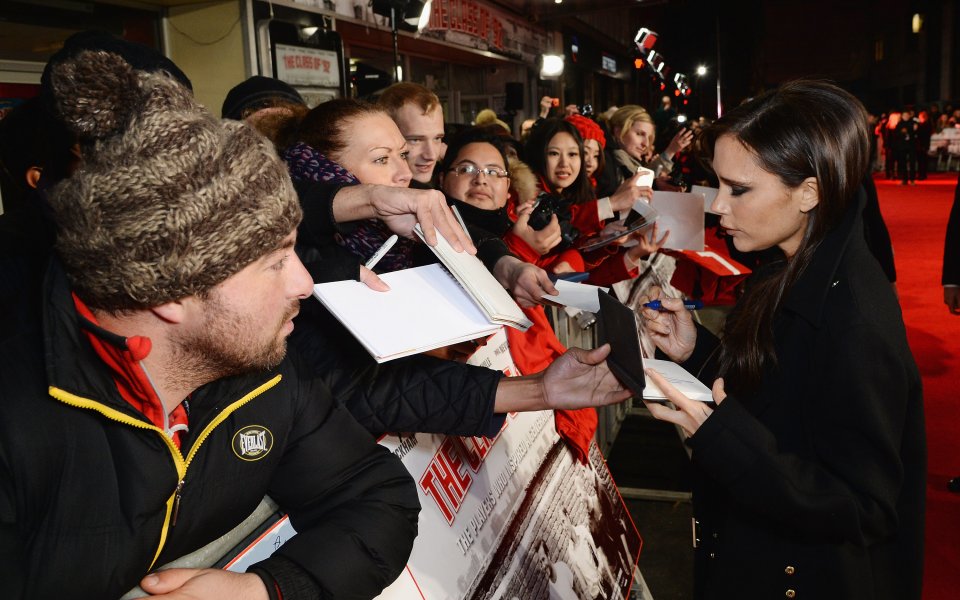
<point x="588" y="128"/>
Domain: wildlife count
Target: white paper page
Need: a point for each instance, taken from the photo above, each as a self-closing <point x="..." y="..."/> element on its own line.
<point x="577" y="295"/>
<point x="683" y="380"/>
<point x="709" y="194"/>
<point x="681" y="213"/>
<point x="486" y="290"/>
<point x="424" y="309"/>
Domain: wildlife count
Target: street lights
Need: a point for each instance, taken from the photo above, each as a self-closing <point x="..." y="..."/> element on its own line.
<point x="701" y="71"/>
<point x="413" y="12"/>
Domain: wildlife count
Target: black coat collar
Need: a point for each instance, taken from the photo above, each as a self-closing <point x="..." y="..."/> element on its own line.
<point x="808" y="295"/>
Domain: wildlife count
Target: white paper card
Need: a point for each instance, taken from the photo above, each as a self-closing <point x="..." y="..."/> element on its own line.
<point x="577" y="295"/>
<point x="709" y="194"/>
<point x="681" y="213"/>
<point x="683" y="380"/>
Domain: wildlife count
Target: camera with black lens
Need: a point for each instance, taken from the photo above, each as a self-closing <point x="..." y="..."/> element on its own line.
<point x="546" y="206"/>
<point x="586" y="110"/>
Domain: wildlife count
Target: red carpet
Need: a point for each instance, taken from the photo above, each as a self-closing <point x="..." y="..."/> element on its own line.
<point x="916" y="217"/>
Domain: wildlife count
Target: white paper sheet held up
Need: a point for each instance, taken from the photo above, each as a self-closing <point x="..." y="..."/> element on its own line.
<point x="709" y="194"/>
<point x="577" y="295"/>
<point x="681" y="379"/>
<point x="681" y="213"/>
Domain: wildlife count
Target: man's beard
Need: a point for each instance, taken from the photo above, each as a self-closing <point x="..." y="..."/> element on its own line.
<point x="229" y="345"/>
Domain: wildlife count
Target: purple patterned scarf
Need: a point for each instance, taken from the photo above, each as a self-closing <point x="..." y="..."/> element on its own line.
<point x="306" y="164"/>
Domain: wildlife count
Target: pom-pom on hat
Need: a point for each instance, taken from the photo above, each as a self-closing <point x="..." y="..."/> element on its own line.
<point x="253" y="92"/>
<point x="488" y="117"/>
<point x="138" y="56"/>
<point x="168" y="201"/>
<point x="588" y="128"/>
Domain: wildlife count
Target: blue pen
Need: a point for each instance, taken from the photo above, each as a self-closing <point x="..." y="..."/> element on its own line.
<point x="571" y="277"/>
<point x="687" y="304"/>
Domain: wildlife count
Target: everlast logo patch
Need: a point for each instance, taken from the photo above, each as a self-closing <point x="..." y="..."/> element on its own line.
<point x="253" y="442"/>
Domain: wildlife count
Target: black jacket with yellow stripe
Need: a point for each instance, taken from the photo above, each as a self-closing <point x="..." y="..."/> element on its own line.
<point x="88" y="486"/>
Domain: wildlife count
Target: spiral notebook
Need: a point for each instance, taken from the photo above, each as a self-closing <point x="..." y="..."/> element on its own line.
<point x="495" y="302"/>
<point x="424" y="309"/>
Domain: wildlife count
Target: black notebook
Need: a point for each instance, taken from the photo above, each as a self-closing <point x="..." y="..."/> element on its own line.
<point x="618" y="327"/>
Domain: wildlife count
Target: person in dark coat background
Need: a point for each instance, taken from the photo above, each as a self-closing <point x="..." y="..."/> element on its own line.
<point x="951" y="278"/>
<point x="905" y="147"/>
<point x="810" y="466"/>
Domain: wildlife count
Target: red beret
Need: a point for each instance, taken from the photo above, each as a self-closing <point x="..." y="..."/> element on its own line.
<point x="588" y="128"/>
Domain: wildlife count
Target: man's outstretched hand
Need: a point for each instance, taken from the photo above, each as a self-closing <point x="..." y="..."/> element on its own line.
<point x="580" y="378"/>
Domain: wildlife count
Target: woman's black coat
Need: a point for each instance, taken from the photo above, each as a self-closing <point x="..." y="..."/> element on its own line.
<point x="813" y="487"/>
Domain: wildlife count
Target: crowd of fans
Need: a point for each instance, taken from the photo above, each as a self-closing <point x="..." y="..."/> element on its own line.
<point x="156" y="259"/>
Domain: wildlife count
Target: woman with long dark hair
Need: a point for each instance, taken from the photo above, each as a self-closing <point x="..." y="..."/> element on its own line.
<point x="810" y="466"/>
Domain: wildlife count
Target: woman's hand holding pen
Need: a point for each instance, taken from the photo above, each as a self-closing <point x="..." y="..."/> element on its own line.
<point x="688" y="414"/>
<point x="671" y="328"/>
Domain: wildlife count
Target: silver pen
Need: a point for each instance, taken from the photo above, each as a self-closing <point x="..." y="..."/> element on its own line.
<point x="381" y="251"/>
<point x="463" y="225"/>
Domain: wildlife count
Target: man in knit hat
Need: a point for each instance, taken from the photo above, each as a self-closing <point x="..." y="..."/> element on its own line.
<point x="152" y="405"/>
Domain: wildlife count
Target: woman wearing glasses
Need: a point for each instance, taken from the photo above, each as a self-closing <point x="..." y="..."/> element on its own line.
<point x="809" y="469"/>
<point x="475" y="180"/>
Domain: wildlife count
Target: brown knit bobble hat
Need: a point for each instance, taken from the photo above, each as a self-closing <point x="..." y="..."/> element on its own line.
<point x="169" y="201"/>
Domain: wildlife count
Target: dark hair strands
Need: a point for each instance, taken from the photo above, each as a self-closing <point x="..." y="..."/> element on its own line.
<point x="801" y="130"/>
<point x="327" y="127"/>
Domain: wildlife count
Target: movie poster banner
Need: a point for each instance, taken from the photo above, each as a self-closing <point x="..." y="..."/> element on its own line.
<point x="515" y="517"/>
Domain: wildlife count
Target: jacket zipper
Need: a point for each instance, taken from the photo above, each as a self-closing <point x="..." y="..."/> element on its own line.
<point x="181" y="464"/>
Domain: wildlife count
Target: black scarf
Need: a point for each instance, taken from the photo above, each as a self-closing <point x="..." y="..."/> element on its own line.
<point x="495" y="221"/>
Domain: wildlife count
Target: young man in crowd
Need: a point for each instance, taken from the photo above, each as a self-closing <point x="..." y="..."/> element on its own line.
<point x="152" y="405"/>
<point x="419" y="116"/>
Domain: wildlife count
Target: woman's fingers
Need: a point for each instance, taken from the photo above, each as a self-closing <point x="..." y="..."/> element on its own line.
<point x="719" y="393"/>
<point x="696" y="412"/>
<point x="372" y="281"/>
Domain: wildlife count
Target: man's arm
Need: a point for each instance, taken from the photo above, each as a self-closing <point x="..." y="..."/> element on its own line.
<point x="328" y="206"/>
<point x="400" y="209"/>
<point x="578" y="379"/>
<point x="352" y="503"/>
<point x="526" y="282"/>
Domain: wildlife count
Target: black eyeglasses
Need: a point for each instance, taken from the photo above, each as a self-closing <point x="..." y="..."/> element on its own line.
<point x="472" y="171"/>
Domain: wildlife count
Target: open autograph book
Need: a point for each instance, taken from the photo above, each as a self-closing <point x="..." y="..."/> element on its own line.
<point x="426" y="307"/>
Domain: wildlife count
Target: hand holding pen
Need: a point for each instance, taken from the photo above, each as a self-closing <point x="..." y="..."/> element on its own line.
<point x="670" y="325"/>
<point x="687" y="304"/>
<point x="367" y="276"/>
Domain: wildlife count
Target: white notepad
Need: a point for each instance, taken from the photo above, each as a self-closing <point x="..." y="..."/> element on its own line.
<point x="425" y="309"/>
